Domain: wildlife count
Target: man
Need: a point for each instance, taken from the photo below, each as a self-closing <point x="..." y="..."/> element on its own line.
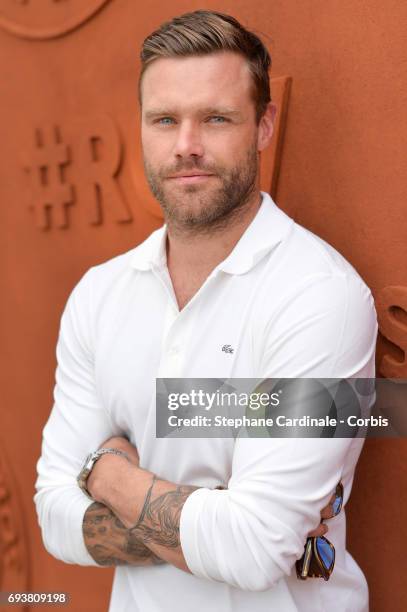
<point x="228" y="268"/>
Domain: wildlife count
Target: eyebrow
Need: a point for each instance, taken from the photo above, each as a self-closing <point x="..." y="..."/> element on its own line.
<point x="210" y="110"/>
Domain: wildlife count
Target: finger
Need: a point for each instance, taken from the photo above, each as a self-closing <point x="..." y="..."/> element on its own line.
<point x="321" y="530"/>
<point x="327" y="512"/>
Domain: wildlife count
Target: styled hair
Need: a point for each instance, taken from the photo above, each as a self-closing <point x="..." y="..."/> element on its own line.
<point x="204" y="32"/>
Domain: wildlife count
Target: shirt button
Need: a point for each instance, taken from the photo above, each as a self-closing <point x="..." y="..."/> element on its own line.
<point x="174" y="350"/>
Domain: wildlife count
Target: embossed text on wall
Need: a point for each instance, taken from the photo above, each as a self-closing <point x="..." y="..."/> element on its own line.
<point x="77" y="165"/>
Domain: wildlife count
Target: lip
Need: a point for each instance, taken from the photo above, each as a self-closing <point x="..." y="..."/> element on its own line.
<point x="190" y="178"/>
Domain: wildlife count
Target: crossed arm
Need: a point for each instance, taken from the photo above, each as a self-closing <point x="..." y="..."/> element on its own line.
<point x="275" y="491"/>
<point x="136" y="516"/>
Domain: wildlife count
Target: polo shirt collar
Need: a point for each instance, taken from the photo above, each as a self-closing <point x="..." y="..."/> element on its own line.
<point x="152" y="252"/>
<point x="268" y="228"/>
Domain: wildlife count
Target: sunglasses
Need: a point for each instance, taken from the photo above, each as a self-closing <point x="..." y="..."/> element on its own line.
<point x="318" y="559"/>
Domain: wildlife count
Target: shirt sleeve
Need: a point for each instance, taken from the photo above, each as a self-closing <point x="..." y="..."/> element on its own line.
<point x="77" y="425"/>
<point x="250" y="535"/>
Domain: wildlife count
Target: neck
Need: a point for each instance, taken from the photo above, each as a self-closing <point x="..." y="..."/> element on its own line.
<point x="202" y="252"/>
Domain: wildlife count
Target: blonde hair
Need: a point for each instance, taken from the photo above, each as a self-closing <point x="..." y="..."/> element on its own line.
<point x="204" y="32"/>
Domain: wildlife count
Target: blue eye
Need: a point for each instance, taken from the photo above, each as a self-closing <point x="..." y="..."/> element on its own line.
<point x="165" y="121"/>
<point x="217" y="119"/>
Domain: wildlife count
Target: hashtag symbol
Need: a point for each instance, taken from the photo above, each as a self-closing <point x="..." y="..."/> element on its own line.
<point x="50" y="194"/>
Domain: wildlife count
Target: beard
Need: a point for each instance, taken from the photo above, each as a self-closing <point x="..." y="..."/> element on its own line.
<point x="203" y="209"/>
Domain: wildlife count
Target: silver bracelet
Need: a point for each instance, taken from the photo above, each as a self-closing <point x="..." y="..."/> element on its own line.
<point x="113" y="451"/>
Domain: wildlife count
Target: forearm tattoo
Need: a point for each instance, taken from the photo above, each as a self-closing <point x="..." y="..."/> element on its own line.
<point x="110" y="543"/>
<point x="160" y="516"/>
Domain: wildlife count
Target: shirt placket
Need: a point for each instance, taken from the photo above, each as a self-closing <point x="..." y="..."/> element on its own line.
<point x="176" y="330"/>
<point x="178" y="344"/>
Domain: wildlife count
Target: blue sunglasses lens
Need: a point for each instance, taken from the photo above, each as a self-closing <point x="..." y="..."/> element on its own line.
<point x="337" y="504"/>
<point x="325" y="552"/>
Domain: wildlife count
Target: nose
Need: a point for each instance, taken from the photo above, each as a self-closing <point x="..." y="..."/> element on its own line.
<point x="189" y="142"/>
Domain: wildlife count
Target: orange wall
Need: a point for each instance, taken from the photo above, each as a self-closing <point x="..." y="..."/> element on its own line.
<point x="69" y="106"/>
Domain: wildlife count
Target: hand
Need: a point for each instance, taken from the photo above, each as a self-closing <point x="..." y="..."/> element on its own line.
<point x="122" y="443"/>
<point x="326" y="513"/>
<point x="109" y="470"/>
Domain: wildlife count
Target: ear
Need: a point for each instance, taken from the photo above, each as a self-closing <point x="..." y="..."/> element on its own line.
<point x="266" y="127"/>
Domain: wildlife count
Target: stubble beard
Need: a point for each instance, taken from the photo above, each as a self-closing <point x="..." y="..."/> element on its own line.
<point x="212" y="209"/>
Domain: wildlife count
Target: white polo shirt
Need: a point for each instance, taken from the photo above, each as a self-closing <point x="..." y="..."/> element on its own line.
<point x="290" y="306"/>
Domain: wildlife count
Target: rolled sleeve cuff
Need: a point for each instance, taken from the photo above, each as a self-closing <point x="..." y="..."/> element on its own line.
<point x="189" y="522"/>
<point x="79" y="549"/>
<point x="61" y="515"/>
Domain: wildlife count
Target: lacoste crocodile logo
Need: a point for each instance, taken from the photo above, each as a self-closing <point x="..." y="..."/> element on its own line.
<point x="226" y="348"/>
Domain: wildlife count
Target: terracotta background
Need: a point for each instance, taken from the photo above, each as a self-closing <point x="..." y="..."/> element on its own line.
<point x="73" y="195"/>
